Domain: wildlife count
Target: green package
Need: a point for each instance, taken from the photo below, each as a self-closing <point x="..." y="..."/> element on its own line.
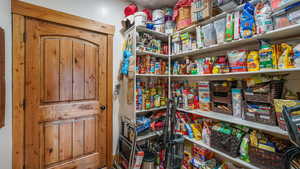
<point x="266" y="56"/>
<point x="244" y="149"/>
<point x="229" y="27"/>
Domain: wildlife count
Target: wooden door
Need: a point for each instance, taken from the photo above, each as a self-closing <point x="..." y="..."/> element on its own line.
<point x="65" y="97"/>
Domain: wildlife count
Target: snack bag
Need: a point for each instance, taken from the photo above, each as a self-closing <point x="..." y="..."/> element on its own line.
<point x="229" y="27"/>
<point x="237" y="17"/>
<point x="209" y="34"/>
<point x="208" y="66"/>
<point x="196" y="132"/>
<point x="275" y="55"/>
<point x="244" y="149"/>
<point x="238" y="60"/>
<point x="200" y="37"/>
<point x="297" y="56"/>
<point x="266" y="56"/>
<point x="285" y="60"/>
<point x="221" y="65"/>
<point x="263" y="17"/>
<point x="220" y="26"/>
<point x="253" y="61"/>
<point x="247" y="21"/>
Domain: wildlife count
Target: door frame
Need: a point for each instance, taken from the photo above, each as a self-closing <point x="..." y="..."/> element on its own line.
<point x="21" y="10"/>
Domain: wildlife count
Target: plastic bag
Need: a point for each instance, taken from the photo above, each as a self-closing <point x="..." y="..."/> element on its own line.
<point x="285" y="60"/>
<point x="237" y="102"/>
<point x="237" y="18"/>
<point x="220" y="26"/>
<point x="237" y="60"/>
<point x="266" y="56"/>
<point x="247" y="21"/>
<point x="263" y="18"/>
<point x="200" y="37"/>
<point x="229" y="27"/>
<point x="209" y="35"/>
<point x="253" y="61"/>
<point x="297" y="56"/>
<point x="244" y="149"/>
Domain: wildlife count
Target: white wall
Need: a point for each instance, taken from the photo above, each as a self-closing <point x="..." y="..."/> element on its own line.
<point x="106" y="11"/>
<point x="6" y="132"/>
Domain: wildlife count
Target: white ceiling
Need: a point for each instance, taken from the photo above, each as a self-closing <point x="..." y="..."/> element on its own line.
<point x="154" y="4"/>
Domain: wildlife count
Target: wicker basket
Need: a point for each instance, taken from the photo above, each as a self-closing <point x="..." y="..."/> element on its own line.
<point x="265" y="118"/>
<point x="228" y="144"/>
<point x="216" y="86"/>
<point x="221" y="95"/>
<point x="265" y="159"/>
<point x="224" y="98"/>
<point x="273" y="90"/>
<point x="215" y="108"/>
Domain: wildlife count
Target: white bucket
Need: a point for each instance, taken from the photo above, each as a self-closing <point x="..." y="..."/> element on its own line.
<point x="140" y="18"/>
<point x="158" y="17"/>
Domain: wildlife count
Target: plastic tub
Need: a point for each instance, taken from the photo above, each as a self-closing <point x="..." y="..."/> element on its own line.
<point x="140" y="19"/>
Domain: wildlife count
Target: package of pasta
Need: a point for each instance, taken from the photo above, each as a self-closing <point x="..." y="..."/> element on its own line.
<point x="275" y="55"/>
<point x="285" y="60"/>
<point x="247" y="28"/>
<point x="253" y="61"/>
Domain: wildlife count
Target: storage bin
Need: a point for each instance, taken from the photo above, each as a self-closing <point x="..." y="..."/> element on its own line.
<point x="264" y="92"/>
<point x="278" y="104"/>
<point x="222" y="85"/>
<point x="228" y="144"/>
<point x="224" y="108"/>
<point x="265" y="159"/>
<point x="221" y="96"/>
<point x="264" y="115"/>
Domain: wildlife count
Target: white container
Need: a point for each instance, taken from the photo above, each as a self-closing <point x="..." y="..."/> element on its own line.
<point x="169" y="27"/>
<point x="140" y="19"/>
<point x="158" y="18"/>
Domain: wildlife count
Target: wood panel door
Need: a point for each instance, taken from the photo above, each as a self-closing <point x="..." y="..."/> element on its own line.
<point x="65" y="95"/>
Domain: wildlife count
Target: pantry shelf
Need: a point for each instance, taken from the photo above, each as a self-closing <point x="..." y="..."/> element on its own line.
<point x="241" y="73"/>
<point x="151" y="75"/>
<point x="141" y="53"/>
<point x="212" y="19"/>
<point x="149" y="110"/>
<point x="235" y="160"/>
<point x="282" y="7"/>
<point x="284" y="32"/>
<point x="236" y="120"/>
<point x="160" y="35"/>
<point x="149" y="135"/>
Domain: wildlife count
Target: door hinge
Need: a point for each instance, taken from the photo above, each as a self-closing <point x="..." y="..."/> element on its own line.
<point x="24" y="37"/>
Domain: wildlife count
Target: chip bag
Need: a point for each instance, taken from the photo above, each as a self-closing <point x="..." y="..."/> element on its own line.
<point x="266" y="56"/>
<point x="253" y="61"/>
<point x="285" y="60"/>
